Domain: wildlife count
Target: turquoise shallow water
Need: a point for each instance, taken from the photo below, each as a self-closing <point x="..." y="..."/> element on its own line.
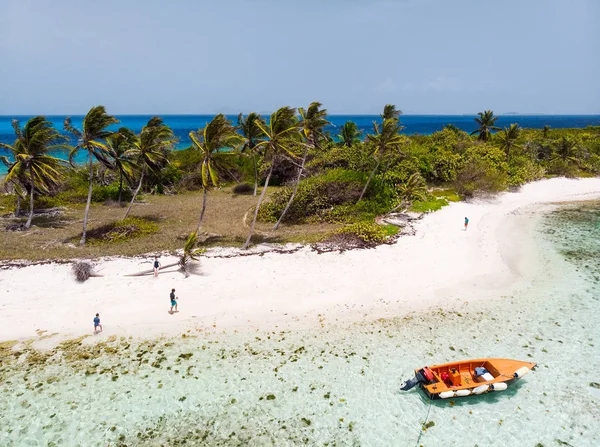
<point x="335" y="385"/>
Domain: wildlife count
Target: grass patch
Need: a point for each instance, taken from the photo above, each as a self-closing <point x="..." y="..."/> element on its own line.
<point x="227" y="218"/>
<point x="448" y="194"/>
<point x="426" y="206"/>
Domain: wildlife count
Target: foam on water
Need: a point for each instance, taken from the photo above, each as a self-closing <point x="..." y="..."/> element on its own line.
<point x="335" y="385"/>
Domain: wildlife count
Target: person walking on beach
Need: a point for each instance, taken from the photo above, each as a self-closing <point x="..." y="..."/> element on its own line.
<point x="97" y="324"/>
<point x="466" y="223"/>
<point x="173" y="301"/>
<point x="156" y="266"/>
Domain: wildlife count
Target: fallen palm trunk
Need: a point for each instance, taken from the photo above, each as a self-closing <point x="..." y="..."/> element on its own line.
<point x="151" y="271"/>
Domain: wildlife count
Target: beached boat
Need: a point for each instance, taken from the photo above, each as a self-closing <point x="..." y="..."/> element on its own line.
<point x="460" y="379"/>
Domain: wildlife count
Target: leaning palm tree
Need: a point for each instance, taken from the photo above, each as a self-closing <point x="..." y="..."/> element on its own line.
<point x="118" y="144"/>
<point x="91" y="138"/>
<point x="184" y="263"/>
<point x="566" y="150"/>
<point x="148" y="151"/>
<point x="413" y="189"/>
<point x="30" y="153"/>
<point x="349" y="134"/>
<point x="252" y="135"/>
<point x="383" y="141"/>
<point x="487" y="123"/>
<point x="510" y="139"/>
<point x="312" y="124"/>
<point x="217" y="135"/>
<point x="280" y="134"/>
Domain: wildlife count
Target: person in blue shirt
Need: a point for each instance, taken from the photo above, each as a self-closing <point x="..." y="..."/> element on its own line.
<point x="97" y="324"/>
<point x="173" y="301"/>
<point x="466" y="223"/>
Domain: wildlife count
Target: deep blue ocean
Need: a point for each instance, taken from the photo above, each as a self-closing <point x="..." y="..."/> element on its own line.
<point x="420" y="124"/>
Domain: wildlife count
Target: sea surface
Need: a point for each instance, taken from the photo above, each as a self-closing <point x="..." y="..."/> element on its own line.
<point x="420" y="124"/>
<point x="335" y="385"/>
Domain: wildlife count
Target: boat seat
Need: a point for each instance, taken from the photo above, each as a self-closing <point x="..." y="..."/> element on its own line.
<point x="487" y="377"/>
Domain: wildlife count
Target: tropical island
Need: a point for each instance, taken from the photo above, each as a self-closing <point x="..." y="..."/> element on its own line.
<point x="278" y="179"/>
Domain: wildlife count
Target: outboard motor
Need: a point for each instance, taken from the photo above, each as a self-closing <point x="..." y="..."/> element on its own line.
<point x="424" y="375"/>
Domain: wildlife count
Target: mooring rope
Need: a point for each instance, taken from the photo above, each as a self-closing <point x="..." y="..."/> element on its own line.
<point x="421" y="431"/>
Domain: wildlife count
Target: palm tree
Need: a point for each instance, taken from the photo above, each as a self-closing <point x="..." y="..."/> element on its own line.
<point x="31" y="159"/>
<point x="252" y="135"/>
<point x="452" y="127"/>
<point x="118" y="144"/>
<point x="349" y="134"/>
<point x="414" y="188"/>
<point x="91" y="139"/>
<point x="148" y="150"/>
<point x="566" y="150"/>
<point x="279" y="135"/>
<point x="391" y="112"/>
<point x="190" y="253"/>
<point x="217" y="135"/>
<point x="312" y="124"/>
<point x="486" y="122"/>
<point x="546" y="131"/>
<point x="509" y="139"/>
<point x="383" y="141"/>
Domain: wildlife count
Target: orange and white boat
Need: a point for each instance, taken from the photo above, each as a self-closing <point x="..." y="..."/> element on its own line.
<point x="460" y="379"/>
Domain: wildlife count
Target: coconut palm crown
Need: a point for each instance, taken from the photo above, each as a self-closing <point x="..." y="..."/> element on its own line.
<point x="509" y="139"/>
<point x="148" y="150"/>
<point x="349" y="134"/>
<point x="33" y="168"/>
<point x="487" y="124"/>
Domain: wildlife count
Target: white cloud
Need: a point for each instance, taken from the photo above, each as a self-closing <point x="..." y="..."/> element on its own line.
<point x="387" y="86"/>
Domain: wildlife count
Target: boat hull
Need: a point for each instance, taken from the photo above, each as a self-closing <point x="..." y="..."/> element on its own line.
<point x="470" y="377"/>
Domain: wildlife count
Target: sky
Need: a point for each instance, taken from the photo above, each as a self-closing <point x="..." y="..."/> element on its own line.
<point x="353" y="56"/>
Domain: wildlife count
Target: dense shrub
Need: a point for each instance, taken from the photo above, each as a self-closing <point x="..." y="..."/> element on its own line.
<point x="484" y="169"/>
<point x="523" y="170"/>
<point x="320" y="198"/>
<point x="243" y="188"/>
<point x="335" y="187"/>
<point x="362" y="234"/>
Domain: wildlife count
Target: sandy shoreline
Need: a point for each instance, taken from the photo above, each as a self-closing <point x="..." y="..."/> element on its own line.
<point x="441" y="265"/>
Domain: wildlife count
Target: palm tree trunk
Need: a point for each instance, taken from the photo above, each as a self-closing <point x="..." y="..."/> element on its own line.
<point x="287" y="206"/>
<point x="260" y="199"/>
<point x="120" y="185"/>
<point x="137" y="190"/>
<point x="203" y="209"/>
<point x="387" y="165"/>
<point x="28" y="223"/>
<point x="89" y="200"/>
<point x="362" y="194"/>
<point x="255" y="174"/>
<point x="18" y="208"/>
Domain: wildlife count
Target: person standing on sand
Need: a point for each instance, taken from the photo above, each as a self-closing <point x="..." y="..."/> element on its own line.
<point x="156" y="266"/>
<point x="97" y="324"/>
<point x="466" y="223"/>
<point x="173" y="301"/>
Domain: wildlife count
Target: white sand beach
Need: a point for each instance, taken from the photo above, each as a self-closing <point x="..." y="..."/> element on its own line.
<point x="442" y="265"/>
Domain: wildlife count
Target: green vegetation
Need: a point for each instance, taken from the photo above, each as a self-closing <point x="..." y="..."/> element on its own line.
<point x="122" y="230"/>
<point x="314" y="187"/>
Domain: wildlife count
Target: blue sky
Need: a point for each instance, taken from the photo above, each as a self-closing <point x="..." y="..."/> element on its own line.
<point x="354" y="56"/>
